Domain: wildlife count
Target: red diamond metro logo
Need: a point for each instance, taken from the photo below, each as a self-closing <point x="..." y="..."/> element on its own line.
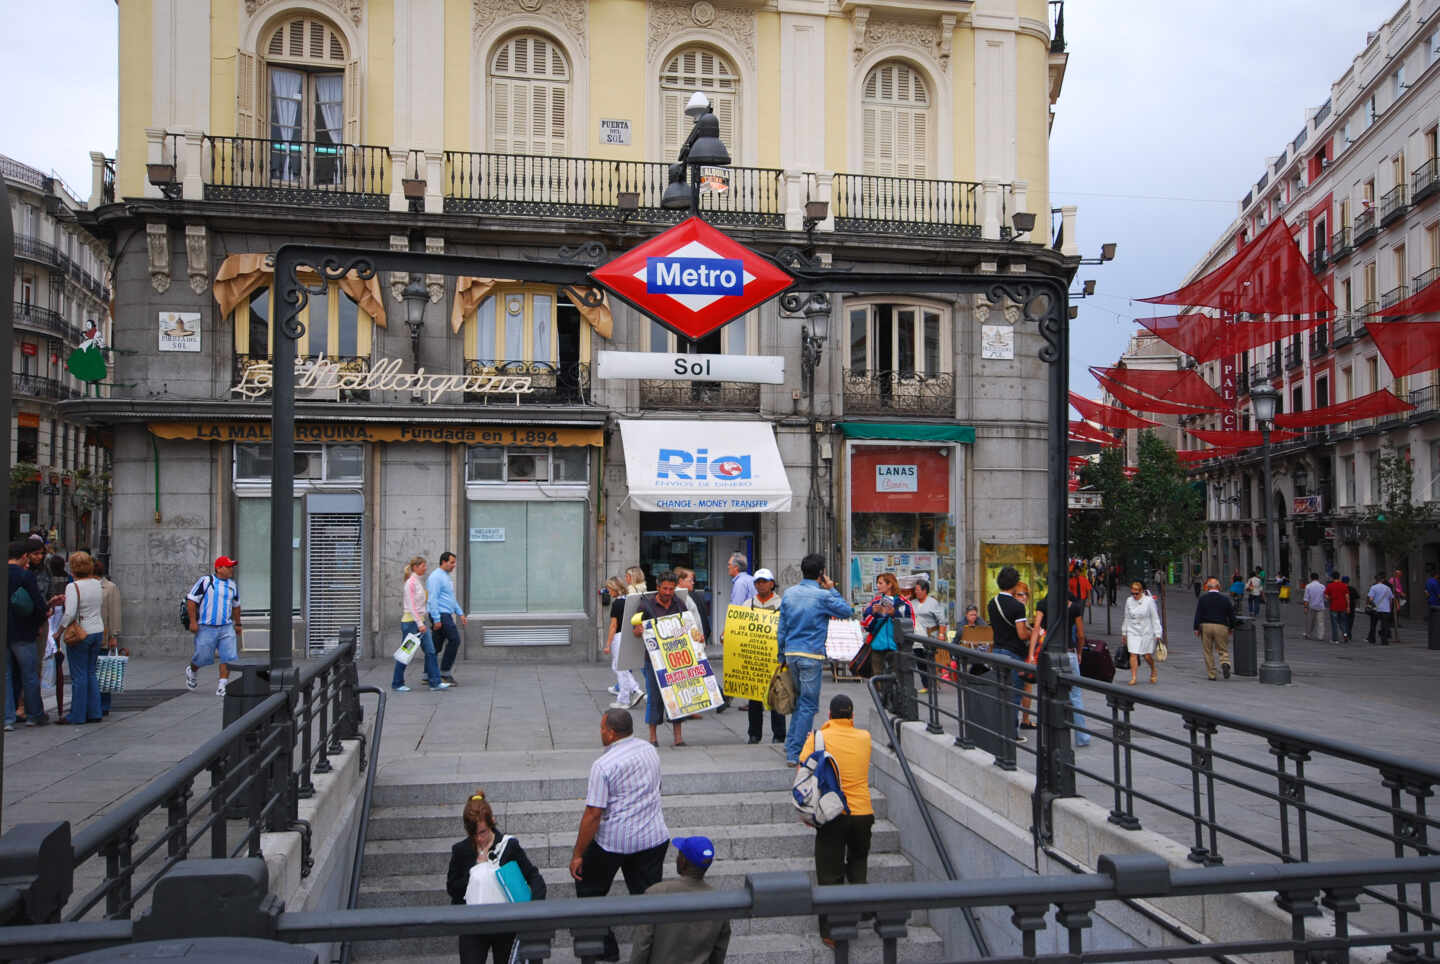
<point x="693" y="279"/>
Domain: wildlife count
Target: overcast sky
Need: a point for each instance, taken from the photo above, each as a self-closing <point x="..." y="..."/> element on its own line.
<point x="1166" y="118"/>
<point x="1165" y="121"/>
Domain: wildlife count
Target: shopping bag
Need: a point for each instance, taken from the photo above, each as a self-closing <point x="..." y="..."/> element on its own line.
<point x="407" y="649"/>
<point x="1162" y="652"/>
<point x="110" y="672"/>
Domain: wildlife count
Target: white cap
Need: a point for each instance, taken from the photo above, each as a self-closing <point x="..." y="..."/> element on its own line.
<point x="765" y="574"/>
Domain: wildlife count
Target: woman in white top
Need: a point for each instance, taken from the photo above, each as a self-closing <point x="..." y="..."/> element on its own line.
<point x="1141" y="630"/>
<point x="82" y="604"/>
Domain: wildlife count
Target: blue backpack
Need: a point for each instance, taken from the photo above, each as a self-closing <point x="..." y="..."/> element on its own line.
<point x="816" y="790"/>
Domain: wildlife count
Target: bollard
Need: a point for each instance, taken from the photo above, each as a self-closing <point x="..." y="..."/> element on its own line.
<point x="1242" y="647"/>
<point x="37" y="873"/>
<point x="212" y="898"/>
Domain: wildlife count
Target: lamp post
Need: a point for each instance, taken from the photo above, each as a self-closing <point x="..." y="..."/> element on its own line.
<point x="1274" y="669"/>
<point x="416" y="296"/>
<point x="703" y="148"/>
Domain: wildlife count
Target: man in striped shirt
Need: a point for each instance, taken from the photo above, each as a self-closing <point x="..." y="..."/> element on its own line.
<point x="214" y="606"/>
<point x="623" y="828"/>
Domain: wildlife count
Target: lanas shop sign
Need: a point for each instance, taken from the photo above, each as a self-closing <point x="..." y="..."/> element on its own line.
<point x="897" y="478"/>
<point x="323" y="375"/>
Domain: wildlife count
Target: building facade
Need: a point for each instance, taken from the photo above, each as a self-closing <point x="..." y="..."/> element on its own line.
<point x="517" y="129"/>
<point x="1357" y="186"/>
<point x="59" y="468"/>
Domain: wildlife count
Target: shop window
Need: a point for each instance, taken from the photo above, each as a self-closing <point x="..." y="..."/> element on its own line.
<point x="27" y="445"/>
<point x="335" y="326"/>
<point x="555" y="466"/>
<point x="252" y="547"/>
<point x="313" y="463"/>
<point x="524" y="557"/>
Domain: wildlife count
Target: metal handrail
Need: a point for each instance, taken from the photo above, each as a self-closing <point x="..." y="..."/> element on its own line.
<point x="357" y="863"/>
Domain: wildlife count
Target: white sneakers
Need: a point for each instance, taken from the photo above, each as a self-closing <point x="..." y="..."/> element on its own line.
<point x="220" y="689"/>
<point x="190" y="680"/>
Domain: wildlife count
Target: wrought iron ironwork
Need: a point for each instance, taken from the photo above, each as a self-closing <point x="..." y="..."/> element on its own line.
<point x="45" y="319"/>
<point x="1393" y="204"/>
<point x="690" y="396"/>
<point x="1293" y="357"/>
<point x="1363" y="228"/>
<point x="1425" y="181"/>
<point x="1340" y="244"/>
<point x="38" y="386"/>
<point x="309" y="173"/>
<point x="899" y="392"/>
<point x="550" y="383"/>
<point x="1320" y="341"/>
<point x="906" y="205"/>
<point x="1394" y="296"/>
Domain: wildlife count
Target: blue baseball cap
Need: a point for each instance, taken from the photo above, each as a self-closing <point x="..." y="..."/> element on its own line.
<point x="698" y="850"/>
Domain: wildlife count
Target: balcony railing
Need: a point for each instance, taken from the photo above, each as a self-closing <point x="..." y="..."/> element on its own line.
<point x="1426" y="401"/>
<point x="718" y="396"/>
<point x="906" y="205"/>
<point x="107" y="181"/>
<point x="1394" y="296"/>
<point x="1425" y="181"/>
<point x="253" y="169"/>
<point x="1242" y="382"/>
<point x="1257" y="374"/>
<point x="529" y="185"/>
<point x="1393" y="205"/>
<point x="1339" y="244"/>
<point x="45" y="319"/>
<point x="41" y="252"/>
<point x="1426" y="278"/>
<point x="1294" y="358"/>
<point x="1272" y="366"/>
<point x="1319" y="341"/>
<point x="1364" y="227"/>
<point x="1317" y="260"/>
<point x="36" y="386"/>
<point x="550" y="384"/>
<point x="888" y="393"/>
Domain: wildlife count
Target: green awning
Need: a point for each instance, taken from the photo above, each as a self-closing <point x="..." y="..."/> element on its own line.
<point x="908" y="432"/>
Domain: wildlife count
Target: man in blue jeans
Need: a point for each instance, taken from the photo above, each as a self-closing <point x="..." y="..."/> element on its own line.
<point x="805" y="614"/>
<point x="444" y="610"/>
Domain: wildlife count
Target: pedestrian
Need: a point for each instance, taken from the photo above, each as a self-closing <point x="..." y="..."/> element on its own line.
<point x="472" y="877"/>
<point x="1337" y="600"/>
<point x="972" y="618"/>
<point x="110" y="616"/>
<point x="702" y="602"/>
<point x="663" y="602"/>
<point x="691" y="941"/>
<point x="58" y="579"/>
<point x="1008" y="621"/>
<point x="930" y="621"/>
<point x="1214" y="625"/>
<point x="1254" y="589"/>
<point x="1380" y="610"/>
<point x="26" y="616"/>
<point x="83" y="599"/>
<point x="1141" y="631"/>
<point x="627" y="692"/>
<point x="886" y="620"/>
<point x="1355" y="604"/>
<point x="1074" y="628"/>
<point x="1432" y="587"/>
<point x="1237" y="590"/>
<point x="1035" y="642"/>
<point x="1314" y="602"/>
<point x="742" y="584"/>
<point x="443" y="609"/>
<point x="623" y="827"/>
<point x="842" y="846"/>
<point x="1159" y="581"/>
<point x="1284" y="583"/>
<point x="805" y="615"/>
<point x="765" y="598"/>
<point x="1397" y="588"/>
<point x="213" y="604"/>
<point x="414" y="611"/>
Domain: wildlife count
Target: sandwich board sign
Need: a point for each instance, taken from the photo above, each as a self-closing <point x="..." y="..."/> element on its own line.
<point x="693" y="279"/>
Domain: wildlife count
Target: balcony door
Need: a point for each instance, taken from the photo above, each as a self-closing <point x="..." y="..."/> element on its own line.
<point x="895" y="122"/>
<point x="702" y="69"/>
<point x="307" y="125"/>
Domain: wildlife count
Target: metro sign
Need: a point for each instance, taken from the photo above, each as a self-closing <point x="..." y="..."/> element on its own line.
<point x="693" y="279"/>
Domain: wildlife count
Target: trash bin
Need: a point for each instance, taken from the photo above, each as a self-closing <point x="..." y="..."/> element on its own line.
<point x="248" y="687"/>
<point x="984" y="707"/>
<point x="1242" y="648"/>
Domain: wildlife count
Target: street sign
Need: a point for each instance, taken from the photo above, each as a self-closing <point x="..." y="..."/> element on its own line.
<point x="692" y="278"/>
<point x="760" y="369"/>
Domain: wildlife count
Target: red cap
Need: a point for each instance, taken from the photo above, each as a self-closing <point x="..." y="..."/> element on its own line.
<point x="225" y="561"/>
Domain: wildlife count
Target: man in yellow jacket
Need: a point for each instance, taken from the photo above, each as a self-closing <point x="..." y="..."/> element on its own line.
<point x="842" y="846"/>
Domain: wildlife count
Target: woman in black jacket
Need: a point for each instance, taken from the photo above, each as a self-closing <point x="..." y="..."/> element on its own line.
<point x="483" y="845"/>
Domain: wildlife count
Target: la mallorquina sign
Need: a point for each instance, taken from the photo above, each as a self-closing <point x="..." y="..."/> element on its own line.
<point x="385" y="376"/>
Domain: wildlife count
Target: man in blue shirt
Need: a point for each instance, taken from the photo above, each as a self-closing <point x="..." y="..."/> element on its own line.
<point x="444" y="608"/>
<point x="1432" y="587"/>
<point x="805" y="614"/>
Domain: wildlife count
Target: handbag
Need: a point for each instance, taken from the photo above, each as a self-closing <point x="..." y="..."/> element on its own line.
<point x="110" y="672"/>
<point x="860" y="662"/>
<point x="407" y="649"/>
<point x="512" y="879"/>
<point x="74" y="634"/>
<point x="781" y="694"/>
<point x="1162" y="652"/>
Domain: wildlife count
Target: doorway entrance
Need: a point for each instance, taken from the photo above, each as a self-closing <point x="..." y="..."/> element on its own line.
<point x="702" y="542"/>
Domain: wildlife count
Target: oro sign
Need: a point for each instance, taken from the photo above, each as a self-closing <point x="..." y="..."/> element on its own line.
<point x="693" y="279"/>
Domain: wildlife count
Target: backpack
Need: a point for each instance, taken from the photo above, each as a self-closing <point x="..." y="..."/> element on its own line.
<point x="21" y="602"/>
<point x="816" y="790"/>
<point x="185" y="600"/>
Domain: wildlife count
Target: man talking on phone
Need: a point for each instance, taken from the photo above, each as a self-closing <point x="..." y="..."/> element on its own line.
<point x="805" y="614"/>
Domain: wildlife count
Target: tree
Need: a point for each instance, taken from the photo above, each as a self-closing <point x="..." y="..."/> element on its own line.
<point x="1107" y="530"/>
<point x="1401" y="520"/>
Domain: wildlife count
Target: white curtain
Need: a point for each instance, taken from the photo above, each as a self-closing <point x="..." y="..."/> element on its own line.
<point x="329" y="97"/>
<point x="285" y="96"/>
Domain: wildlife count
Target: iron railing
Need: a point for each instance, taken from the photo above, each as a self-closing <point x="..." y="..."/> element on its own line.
<point x="899" y="392"/>
<point x="107" y="181"/>
<point x="1293" y="357"/>
<point x="1392" y="204"/>
<point x="1318" y="260"/>
<point x="1320" y="341"/>
<point x="258" y="768"/>
<point x="1426" y="400"/>
<point x="45" y="319"/>
<point x="531" y="185"/>
<point x="1272" y="366"/>
<point x="714" y="396"/>
<point x="550" y="384"/>
<point x="1363" y="228"/>
<point x="42" y="252"/>
<point x="906" y="205"/>
<point x="1339" y="244"/>
<point x="1394" y="296"/>
<point x="38" y="386"/>
<point x="267" y="171"/>
<point x="1242" y="381"/>
<point x="1426" y="278"/>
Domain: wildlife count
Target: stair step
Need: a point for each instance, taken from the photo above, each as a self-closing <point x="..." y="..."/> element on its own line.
<point x="920" y="945"/>
<point x="403" y="793"/>
<point x="527" y="817"/>
<point x="733" y="841"/>
<point x="404" y="890"/>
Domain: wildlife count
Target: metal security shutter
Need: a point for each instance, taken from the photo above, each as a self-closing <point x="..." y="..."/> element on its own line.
<point x="527" y="635"/>
<point x="334" y="578"/>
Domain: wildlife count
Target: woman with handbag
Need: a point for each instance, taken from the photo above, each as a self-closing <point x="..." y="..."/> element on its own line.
<point x="886" y="620"/>
<point x="83" y="631"/>
<point x="413" y="616"/>
<point x="477" y="875"/>
<point x="1141" y="631"/>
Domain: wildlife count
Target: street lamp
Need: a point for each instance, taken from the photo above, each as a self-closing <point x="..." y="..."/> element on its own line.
<point x="703" y="148"/>
<point x="415" y="296"/>
<point x="1274" y="669"/>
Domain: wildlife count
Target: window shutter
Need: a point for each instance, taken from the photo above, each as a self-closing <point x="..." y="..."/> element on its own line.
<point x="869" y="122"/>
<point x="500" y="116"/>
<point x="672" y="112"/>
<point x="352" y="102"/>
<point x="559" y="119"/>
<point x="725" y="110"/>
<point x="245" y="77"/>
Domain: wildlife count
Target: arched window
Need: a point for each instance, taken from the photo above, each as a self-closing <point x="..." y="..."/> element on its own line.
<point x="335" y="326"/>
<point x="529" y="97"/>
<point x="895" y="122"/>
<point x="688" y="70"/>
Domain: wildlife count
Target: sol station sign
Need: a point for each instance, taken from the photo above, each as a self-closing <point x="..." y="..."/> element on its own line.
<point x="693" y="279"/>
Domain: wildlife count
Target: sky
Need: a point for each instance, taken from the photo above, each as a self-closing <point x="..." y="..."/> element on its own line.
<point x="1164" y="123"/>
<point x="1167" y="115"/>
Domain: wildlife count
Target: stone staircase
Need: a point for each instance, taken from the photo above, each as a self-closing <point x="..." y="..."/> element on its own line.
<point x="747" y="813"/>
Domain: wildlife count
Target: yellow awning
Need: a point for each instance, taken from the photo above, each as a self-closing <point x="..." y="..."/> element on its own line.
<point x="470" y="292"/>
<point x="241" y="275"/>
